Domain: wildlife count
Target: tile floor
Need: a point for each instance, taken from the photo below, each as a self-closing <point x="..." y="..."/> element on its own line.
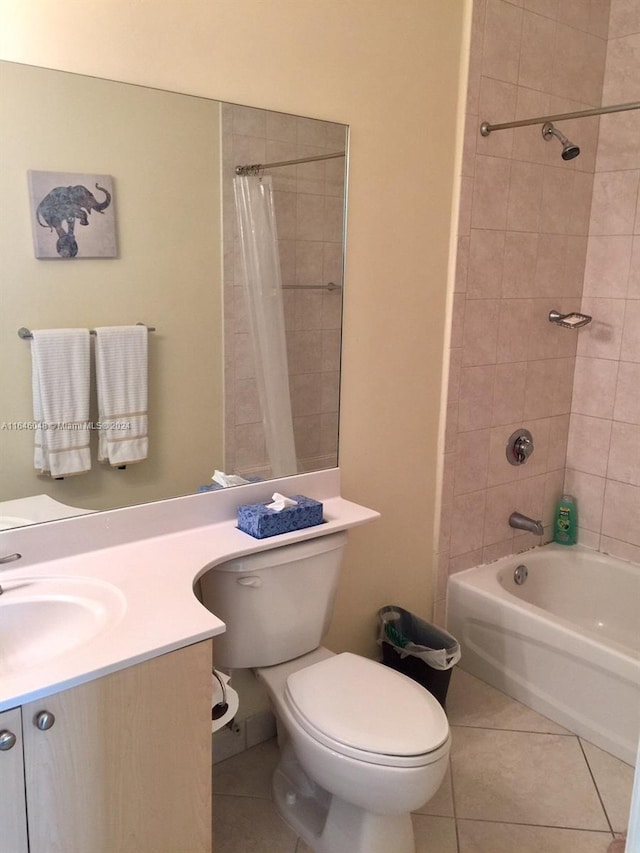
<point x="518" y="783"/>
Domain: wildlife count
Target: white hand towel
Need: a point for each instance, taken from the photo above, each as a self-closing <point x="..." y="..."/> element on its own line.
<point x="121" y="379"/>
<point x="60" y="385"/>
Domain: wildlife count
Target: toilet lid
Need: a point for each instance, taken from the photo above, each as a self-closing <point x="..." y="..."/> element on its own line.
<point x="364" y="709"/>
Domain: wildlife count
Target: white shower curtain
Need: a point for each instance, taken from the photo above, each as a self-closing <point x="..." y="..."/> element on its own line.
<point x="261" y="265"/>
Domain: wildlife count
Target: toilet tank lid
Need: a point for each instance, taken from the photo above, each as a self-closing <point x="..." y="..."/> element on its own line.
<point x="367" y="706"/>
<point x="282" y="554"/>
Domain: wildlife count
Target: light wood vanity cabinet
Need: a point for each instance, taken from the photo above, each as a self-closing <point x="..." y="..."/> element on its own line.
<point x="13" y="808"/>
<point x="125" y="766"/>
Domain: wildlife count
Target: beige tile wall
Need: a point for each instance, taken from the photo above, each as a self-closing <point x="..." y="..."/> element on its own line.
<point x="603" y="457"/>
<point x="309" y="213"/>
<point x="523" y="247"/>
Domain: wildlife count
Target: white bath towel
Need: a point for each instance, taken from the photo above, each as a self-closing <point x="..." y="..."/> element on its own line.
<point x="121" y="379"/>
<point x="60" y="385"/>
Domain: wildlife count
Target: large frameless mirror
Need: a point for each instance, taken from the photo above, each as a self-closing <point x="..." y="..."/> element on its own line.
<point x="185" y="265"/>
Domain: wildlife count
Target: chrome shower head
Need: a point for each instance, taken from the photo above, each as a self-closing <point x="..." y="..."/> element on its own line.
<point x="569" y="150"/>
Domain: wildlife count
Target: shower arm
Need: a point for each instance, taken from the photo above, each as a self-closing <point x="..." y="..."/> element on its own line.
<point x="486" y="128"/>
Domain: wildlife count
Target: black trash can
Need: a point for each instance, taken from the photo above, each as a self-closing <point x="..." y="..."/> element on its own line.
<point x="418" y="649"/>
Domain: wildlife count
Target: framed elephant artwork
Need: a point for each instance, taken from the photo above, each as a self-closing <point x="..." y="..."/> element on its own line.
<point x="72" y="215"/>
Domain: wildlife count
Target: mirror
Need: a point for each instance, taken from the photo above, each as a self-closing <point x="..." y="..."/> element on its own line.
<point x="171" y="159"/>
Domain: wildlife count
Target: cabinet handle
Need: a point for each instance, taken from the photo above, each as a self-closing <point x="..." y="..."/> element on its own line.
<point x="44" y="720"/>
<point x="7" y="740"/>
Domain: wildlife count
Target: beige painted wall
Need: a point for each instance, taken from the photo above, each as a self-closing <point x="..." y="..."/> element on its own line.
<point x="167" y="263"/>
<point x="390" y="69"/>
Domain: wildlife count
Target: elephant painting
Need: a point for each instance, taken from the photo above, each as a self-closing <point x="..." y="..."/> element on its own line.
<point x="64" y="207"/>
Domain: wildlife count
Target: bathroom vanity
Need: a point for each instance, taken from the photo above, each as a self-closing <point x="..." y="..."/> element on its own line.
<point x="105" y="669"/>
<point x="120" y="763"/>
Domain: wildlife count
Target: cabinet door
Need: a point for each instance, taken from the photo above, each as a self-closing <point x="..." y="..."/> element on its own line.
<point x="126" y="766"/>
<point x="13" y="811"/>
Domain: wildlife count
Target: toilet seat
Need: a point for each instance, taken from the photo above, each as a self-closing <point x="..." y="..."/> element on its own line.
<point x="367" y="711"/>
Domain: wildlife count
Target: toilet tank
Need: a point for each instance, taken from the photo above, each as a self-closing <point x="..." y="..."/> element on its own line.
<point x="276" y="604"/>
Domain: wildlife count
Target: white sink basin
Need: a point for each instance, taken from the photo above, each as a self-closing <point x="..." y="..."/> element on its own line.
<point x="44" y="618"/>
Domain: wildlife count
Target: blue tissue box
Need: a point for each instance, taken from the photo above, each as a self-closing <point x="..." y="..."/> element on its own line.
<point x="259" y="521"/>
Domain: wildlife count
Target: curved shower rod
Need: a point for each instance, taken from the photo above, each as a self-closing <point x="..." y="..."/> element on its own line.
<point x="486" y="128"/>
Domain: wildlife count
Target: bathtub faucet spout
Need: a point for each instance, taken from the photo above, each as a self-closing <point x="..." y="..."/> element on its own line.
<point x="523" y="522"/>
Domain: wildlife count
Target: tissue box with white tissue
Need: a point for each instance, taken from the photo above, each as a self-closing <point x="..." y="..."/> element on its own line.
<point x="282" y="515"/>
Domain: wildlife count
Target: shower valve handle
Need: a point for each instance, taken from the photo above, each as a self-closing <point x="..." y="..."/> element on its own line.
<point x="519" y="447"/>
<point x="523" y="448"/>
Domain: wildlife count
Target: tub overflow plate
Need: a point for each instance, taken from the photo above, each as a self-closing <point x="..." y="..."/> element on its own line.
<point x="520" y="574"/>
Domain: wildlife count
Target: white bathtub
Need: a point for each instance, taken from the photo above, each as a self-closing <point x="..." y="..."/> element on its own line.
<point x="566" y="642"/>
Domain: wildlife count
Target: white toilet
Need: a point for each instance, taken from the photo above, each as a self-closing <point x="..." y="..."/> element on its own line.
<point x="361" y="745"/>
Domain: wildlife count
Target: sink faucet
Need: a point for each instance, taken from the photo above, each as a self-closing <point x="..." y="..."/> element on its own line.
<point x="9" y="558"/>
<point x="523" y="522"/>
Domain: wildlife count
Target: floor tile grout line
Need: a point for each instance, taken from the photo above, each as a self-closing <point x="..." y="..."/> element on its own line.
<point x="595" y="784"/>
<point x="545" y="734"/>
<point x="608" y="832"/>
<point x="453" y="805"/>
<point x="517" y="731"/>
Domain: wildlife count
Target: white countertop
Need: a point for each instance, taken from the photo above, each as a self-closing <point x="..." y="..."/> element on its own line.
<point x="156" y="576"/>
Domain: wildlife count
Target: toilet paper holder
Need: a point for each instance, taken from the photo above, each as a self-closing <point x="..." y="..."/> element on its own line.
<point x="224" y="700"/>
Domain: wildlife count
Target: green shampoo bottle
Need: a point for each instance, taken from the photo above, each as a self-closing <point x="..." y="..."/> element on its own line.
<point x="565" y="531"/>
